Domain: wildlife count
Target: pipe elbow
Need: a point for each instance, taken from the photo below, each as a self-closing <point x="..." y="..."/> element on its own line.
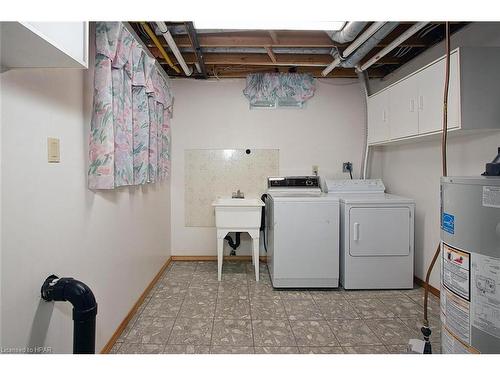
<point x="348" y="33"/>
<point x="74" y="291"/>
<point x="79" y="295"/>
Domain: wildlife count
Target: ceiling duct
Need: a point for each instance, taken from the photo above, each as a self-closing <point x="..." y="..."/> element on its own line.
<point x="348" y="32"/>
<point x="366" y="47"/>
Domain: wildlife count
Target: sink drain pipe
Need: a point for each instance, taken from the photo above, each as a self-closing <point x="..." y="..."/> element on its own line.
<point x="234" y="244"/>
<point x="84" y="309"/>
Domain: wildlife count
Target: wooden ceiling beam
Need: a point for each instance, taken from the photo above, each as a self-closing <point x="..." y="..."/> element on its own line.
<point x="254" y="59"/>
<point x="264" y="60"/>
<point x="231" y="71"/>
<point x="271" y="54"/>
<point x="274" y="37"/>
<point x="252" y="39"/>
<point x="183" y="42"/>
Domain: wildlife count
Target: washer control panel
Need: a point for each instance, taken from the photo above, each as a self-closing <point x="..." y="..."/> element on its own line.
<point x="293" y="182"/>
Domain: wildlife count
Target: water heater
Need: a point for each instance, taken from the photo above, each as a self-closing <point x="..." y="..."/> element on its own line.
<point x="470" y="264"/>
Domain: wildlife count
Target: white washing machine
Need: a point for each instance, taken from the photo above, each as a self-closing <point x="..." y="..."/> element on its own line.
<point x="376" y="235"/>
<point x="302" y="234"/>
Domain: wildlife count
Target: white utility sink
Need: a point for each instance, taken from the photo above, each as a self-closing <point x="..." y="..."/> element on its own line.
<point x="237" y="212"/>
<point x="238" y="215"/>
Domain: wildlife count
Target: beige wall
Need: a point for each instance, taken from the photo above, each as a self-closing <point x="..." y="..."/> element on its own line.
<point x="114" y="241"/>
<point x="215" y="114"/>
<point x="414" y="169"/>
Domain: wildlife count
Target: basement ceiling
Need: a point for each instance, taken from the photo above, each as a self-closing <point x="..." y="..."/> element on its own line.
<point x="236" y="53"/>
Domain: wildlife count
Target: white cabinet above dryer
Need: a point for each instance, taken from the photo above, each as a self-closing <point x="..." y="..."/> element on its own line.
<point x="44" y="45"/>
<point x="413" y="106"/>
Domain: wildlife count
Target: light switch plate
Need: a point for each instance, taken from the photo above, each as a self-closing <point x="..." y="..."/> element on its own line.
<point x="53" y="150"/>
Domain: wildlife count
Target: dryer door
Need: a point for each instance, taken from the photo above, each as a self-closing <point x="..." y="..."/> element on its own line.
<point x="379" y="231"/>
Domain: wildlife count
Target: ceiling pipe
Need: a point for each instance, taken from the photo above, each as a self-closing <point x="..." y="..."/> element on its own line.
<point x="348" y="32"/>
<point x="171" y="43"/>
<point x="158" y="45"/>
<point x="193" y="38"/>
<point x="396" y="42"/>
<point x="359" y="43"/>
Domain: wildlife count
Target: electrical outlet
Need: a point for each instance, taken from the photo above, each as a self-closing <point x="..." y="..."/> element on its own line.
<point x="53" y="150"/>
<point x="315" y="170"/>
<point x="346" y="167"/>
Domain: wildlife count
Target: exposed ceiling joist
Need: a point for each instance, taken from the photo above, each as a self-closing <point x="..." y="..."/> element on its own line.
<point x="271" y="54"/>
<point x="236" y="53"/>
<point x="264" y="59"/>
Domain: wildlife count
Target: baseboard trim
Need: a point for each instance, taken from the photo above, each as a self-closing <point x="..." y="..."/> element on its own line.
<point x="198" y="258"/>
<point x="433" y="290"/>
<point x="109" y="345"/>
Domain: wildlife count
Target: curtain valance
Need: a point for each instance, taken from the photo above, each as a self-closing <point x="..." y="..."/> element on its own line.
<point x="270" y="87"/>
<point x="130" y="129"/>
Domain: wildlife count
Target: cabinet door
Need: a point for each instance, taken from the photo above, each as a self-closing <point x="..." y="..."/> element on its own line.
<point x="430" y="96"/>
<point x="378" y="117"/>
<point x="403" y="108"/>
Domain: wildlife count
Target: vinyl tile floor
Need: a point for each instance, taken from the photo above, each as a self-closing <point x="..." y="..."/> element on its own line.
<point x="189" y="311"/>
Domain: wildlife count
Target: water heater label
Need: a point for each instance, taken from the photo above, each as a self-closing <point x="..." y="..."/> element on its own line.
<point x="486" y="294"/>
<point x="448" y="223"/>
<point x="491" y="196"/>
<point x="456" y="315"/>
<point x="456" y="271"/>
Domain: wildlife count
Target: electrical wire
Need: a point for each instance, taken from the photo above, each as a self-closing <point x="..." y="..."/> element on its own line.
<point x="408" y="49"/>
<point x="428" y="30"/>
<point x="424" y="30"/>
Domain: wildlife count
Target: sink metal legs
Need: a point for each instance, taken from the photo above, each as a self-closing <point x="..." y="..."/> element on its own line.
<point x="254" y="233"/>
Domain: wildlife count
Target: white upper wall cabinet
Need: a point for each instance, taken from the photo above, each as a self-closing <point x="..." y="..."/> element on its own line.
<point x="430" y="87"/>
<point x="44" y="45"/>
<point x="413" y="106"/>
<point x="403" y="109"/>
<point x="378" y="117"/>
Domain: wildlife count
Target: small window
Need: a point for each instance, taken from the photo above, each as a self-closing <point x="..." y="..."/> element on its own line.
<point x="263" y="104"/>
<point x="279" y="103"/>
<point x="289" y="103"/>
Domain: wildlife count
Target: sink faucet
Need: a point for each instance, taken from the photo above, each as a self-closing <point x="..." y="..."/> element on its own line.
<point x="239" y="194"/>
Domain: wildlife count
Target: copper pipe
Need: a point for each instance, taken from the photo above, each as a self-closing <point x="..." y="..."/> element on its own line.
<point x="426" y="285"/>
<point x="444" y="161"/>
<point x="444" y="137"/>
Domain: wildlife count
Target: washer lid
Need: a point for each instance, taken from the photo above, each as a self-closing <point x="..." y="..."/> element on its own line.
<point x="378" y="198"/>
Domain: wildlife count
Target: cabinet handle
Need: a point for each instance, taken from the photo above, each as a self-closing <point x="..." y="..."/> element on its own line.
<point x="384" y="116"/>
<point x="421" y="102"/>
<point x="356" y="232"/>
<point x="412" y="105"/>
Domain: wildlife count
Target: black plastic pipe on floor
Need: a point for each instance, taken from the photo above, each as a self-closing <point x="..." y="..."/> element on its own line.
<point x="84" y="309"/>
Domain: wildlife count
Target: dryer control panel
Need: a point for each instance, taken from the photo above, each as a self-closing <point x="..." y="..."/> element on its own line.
<point x="354" y="186"/>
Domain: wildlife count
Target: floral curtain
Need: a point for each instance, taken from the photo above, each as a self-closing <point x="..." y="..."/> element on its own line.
<point x="130" y="129"/>
<point x="279" y="86"/>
